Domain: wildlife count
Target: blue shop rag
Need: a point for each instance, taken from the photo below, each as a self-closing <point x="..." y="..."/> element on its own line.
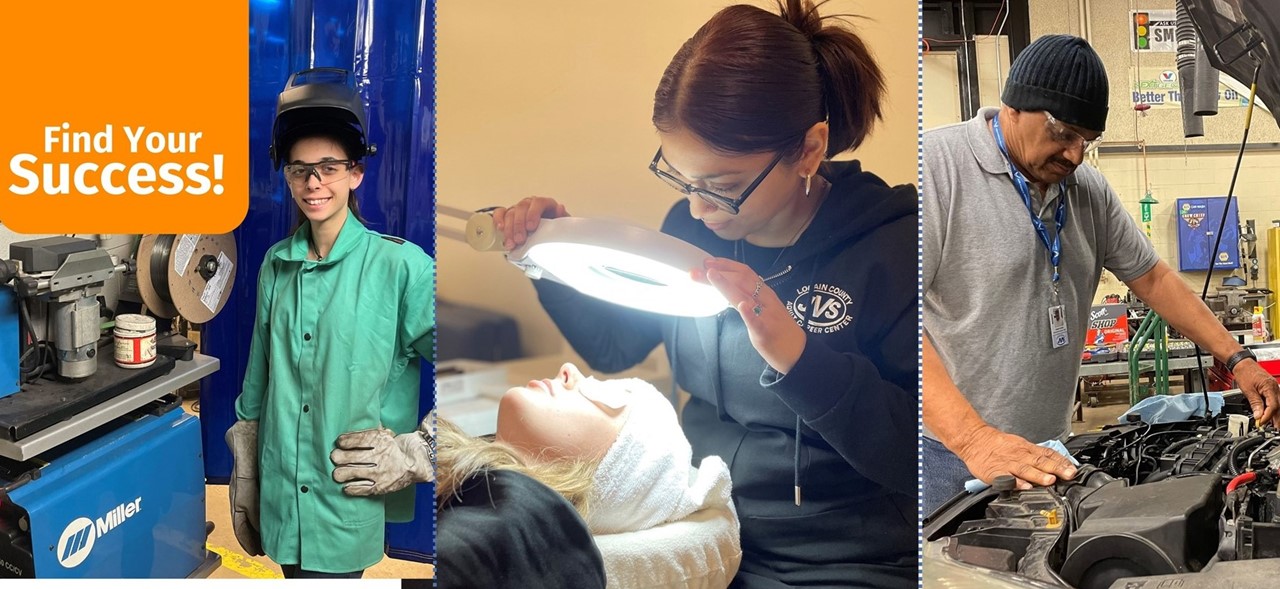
<point x="975" y="485"/>
<point x="1166" y="408"/>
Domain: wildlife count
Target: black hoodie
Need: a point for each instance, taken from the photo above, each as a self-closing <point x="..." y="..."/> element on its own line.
<point x="851" y="398"/>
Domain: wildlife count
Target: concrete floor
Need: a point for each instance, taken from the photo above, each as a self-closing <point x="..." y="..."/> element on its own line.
<point x="1113" y="400"/>
<point x="1110" y="406"/>
<point x="236" y="564"/>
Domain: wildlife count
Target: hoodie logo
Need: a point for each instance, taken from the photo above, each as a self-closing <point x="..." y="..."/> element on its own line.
<point x="822" y="308"/>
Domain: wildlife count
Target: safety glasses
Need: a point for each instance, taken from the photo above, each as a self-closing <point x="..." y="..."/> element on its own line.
<point x="1068" y="138"/>
<point x="327" y="171"/>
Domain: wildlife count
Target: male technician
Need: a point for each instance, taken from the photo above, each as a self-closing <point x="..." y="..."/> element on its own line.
<point x="1016" y="234"/>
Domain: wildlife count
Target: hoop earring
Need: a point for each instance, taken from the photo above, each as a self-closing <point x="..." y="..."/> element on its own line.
<point x="807" y="182"/>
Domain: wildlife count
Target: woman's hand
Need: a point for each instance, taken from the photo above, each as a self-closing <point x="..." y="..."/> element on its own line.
<point x="773" y="331"/>
<point x="519" y="220"/>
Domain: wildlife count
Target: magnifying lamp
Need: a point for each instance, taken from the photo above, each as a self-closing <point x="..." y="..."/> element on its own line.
<point x="609" y="260"/>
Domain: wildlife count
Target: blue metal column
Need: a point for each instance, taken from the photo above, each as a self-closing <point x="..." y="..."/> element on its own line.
<point x="10" y="342"/>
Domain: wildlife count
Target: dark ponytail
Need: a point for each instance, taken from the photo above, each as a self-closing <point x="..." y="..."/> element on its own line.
<point x="751" y="81"/>
<point x="853" y="85"/>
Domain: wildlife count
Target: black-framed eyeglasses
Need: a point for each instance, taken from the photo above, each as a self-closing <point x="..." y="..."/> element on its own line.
<point x="327" y="171"/>
<point x="720" y="201"/>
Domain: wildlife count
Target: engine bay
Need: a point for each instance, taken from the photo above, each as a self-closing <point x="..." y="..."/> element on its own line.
<point x="1177" y="498"/>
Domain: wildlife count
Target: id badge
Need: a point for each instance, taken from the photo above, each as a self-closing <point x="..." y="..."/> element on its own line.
<point x="1057" y="326"/>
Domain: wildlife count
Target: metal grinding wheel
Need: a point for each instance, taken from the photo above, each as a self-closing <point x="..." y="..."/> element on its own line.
<point x="189" y="275"/>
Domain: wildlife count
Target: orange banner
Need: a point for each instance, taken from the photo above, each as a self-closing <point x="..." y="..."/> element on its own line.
<point x="125" y="118"/>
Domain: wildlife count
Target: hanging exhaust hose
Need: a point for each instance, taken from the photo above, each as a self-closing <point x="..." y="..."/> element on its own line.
<point x="1187" y="49"/>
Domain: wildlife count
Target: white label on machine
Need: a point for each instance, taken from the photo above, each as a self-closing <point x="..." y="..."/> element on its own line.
<point x="213" y="289"/>
<point x="186" y="247"/>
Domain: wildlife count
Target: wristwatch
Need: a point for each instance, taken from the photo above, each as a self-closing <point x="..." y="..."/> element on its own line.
<point x="429" y="442"/>
<point x="1239" y="357"/>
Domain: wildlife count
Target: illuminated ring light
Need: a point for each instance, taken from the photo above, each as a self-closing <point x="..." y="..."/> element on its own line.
<point x="621" y="263"/>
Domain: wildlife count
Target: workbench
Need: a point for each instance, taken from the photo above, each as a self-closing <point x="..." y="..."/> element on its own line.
<point x="1185" y="367"/>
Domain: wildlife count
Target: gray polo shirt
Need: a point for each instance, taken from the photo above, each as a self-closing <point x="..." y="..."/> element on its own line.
<point x="987" y="278"/>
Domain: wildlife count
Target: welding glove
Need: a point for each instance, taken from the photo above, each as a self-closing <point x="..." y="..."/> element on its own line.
<point x="242" y="438"/>
<point x="377" y="461"/>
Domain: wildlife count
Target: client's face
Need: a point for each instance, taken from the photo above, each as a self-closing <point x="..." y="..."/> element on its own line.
<point x="552" y="419"/>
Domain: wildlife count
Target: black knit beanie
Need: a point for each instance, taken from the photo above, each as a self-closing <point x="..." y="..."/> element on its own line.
<point x="1063" y="75"/>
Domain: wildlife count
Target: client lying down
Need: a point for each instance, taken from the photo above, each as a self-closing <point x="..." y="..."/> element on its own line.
<point x="613" y="449"/>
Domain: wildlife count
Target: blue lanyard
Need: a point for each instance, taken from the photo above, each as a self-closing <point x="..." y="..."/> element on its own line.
<point x="1059" y="218"/>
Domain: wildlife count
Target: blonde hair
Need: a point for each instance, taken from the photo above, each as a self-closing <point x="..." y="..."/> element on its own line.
<point x="460" y="456"/>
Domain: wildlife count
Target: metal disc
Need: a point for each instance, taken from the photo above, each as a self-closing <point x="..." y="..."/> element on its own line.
<point x="157" y="304"/>
<point x="199" y="297"/>
<point x="482" y="233"/>
<point x="199" y="274"/>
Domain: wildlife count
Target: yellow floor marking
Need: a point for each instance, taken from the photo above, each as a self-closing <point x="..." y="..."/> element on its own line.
<point x="244" y="565"/>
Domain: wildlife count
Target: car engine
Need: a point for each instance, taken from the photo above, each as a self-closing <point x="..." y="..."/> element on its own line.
<point x="1186" y="498"/>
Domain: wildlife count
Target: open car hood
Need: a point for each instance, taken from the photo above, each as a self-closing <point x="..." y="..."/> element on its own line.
<point x="1238" y="35"/>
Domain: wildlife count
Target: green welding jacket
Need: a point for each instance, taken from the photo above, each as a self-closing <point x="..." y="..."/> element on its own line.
<point x="337" y="347"/>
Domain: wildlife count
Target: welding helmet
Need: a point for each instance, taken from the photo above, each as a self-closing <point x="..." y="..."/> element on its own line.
<point x="320" y="101"/>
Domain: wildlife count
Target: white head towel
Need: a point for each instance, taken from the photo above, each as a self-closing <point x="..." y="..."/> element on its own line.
<point x="646" y="478"/>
